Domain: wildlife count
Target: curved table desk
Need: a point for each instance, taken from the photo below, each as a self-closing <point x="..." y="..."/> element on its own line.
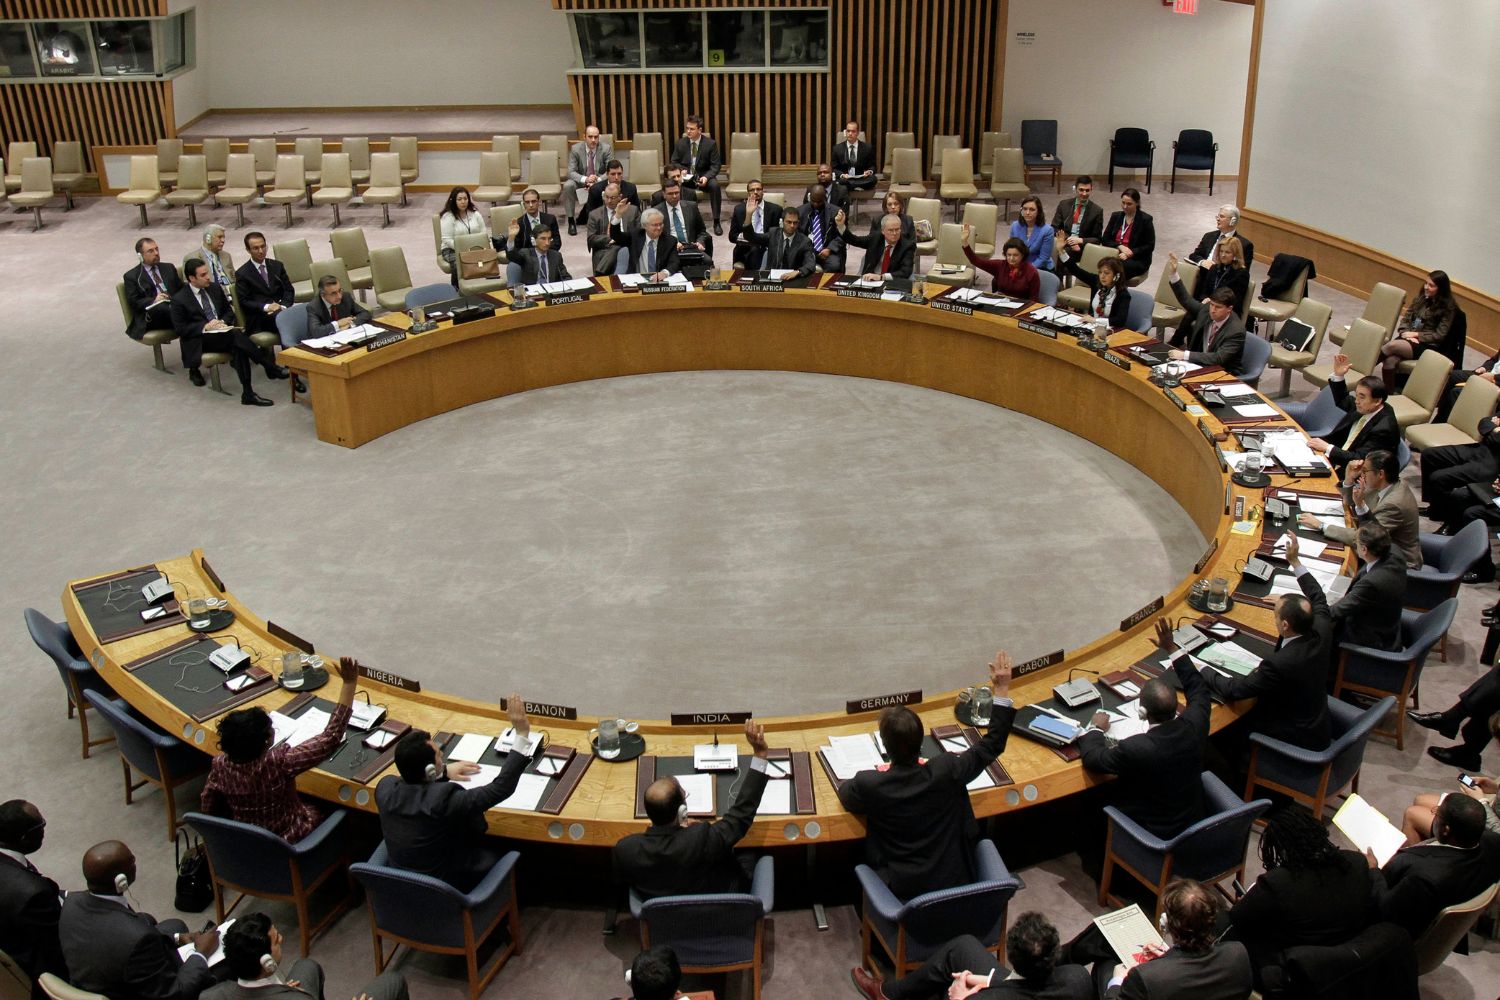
<point x="361" y="395"/>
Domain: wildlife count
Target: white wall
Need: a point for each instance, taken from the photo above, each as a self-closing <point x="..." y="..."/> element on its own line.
<point x="1099" y="65"/>
<point x="190" y="90"/>
<point x="363" y="53"/>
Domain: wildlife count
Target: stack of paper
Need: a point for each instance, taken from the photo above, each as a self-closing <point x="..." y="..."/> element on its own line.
<point x="1368" y="829"/>
<point x="1294" y="453"/>
<point x="777" y="798"/>
<point x="218" y="956"/>
<point x="1309" y="547"/>
<point x="848" y="755"/>
<point x="353" y="335"/>
<point x="560" y="287"/>
<point x="309" y="724"/>
<point x="470" y="747"/>
<point x="1234" y="390"/>
<point x="637" y="280"/>
<point x="528" y="793"/>
<point x="782" y="273"/>
<point x="1229" y="657"/>
<point x="1256" y="410"/>
<point x="486" y="774"/>
<point x="699" y="789"/>
<point x="892" y="296"/>
<point x="1323" y="507"/>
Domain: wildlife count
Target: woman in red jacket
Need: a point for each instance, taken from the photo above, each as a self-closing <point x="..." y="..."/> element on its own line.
<point x="1013" y="275"/>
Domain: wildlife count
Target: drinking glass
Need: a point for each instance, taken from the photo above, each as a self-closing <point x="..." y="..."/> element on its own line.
<point x="1253" y="464"/>
<point x="291" y="669"/>
<point x="198" y="613"/>
<point x="984" y="702"/>
<point x="609" y="738"/>
<point x="1218" y="594"/>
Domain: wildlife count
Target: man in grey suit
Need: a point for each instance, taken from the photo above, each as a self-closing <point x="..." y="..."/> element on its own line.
<point x="1369" y="614"/>
<point x="609" y="227"/>
<point x="1215" y="335"/>
<point x="252" y="939"/>
<point x="1373" y="487"/>
<point x="586" y="161"/>
<point x="1194" y="967"/>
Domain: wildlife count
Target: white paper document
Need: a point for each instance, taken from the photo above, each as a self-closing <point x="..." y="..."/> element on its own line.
<point x="309" y="724"/>
<point x="353" y="335"/>
<point x="528" y="793"/>
<point x="282" y="726"/>
<point x="1309" y="547"/>
<point x="892" y="296"/>
<point x="1231" y="657"/>
<point x="699" y="789"/>
<point x="1256" y="410"/>
<point x="708" y="757"/>
<point x="1128" y="931"/>
<point x="470" y="747"/>
<point x="981" y="782"/>
<point x="218" y="956"/>
<point x="848" y="755"/>
<point x="486" y="774"/>
<point x="776" y="800"/>
<point x="781" y="273"/>
<point x="1234" y="390"/>
<point x="1318" y="507"/>
<point x="1368" y="829"/>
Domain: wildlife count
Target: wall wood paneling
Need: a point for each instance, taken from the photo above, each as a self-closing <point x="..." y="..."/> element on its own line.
<point x="79" y="9"/>
<point x="924" y="66"/>
<point x="99" y="113"/>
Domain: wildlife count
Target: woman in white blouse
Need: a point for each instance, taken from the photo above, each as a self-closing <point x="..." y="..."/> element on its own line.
<point x="459" y="216"/>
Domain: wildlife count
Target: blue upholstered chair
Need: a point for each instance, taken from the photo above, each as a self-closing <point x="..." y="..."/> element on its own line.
<point x="253" y="861"/>
<point x="1141" y="304"/>
<point x="1132" y="149"/>
<point x="1194" y="149"/>
<point x="1319" y="415"/>
<point x="1039" y="148"/>
<point x="428" y="914"/>
<point x="1445" y="560"/>
<point x="1257" y="355"/>
<point x="55" y="639"/>
<point x="291" y="324"/>
<point x="712" y="932"/>
<point x="1210" y="850"/>
<point x="1049" y="283"/>
<point x="426" y="295"/>
<point x="1311" y="776"/>
<point x="910" y="931"/>
<point x="1395" y="672"/>
<point x="162" y="759"/>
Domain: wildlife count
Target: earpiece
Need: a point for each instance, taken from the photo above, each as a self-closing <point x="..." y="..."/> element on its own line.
<point x="122" y="884"/>
<point x="1161" y="922"/>
<point x="431" y="772"/>
<point x="682" y="813"/>
<point x="267" y="964"/>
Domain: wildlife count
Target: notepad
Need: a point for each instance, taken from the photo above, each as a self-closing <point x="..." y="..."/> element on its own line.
<point x="1368" y="829"/>
<point x="699" y="789"/>
<point x="776" y="800"/>
<point x="486" y="774"/>
<point x="1256" y="410"/>
<point x="848" y="755"/>
<point x="470" y="747"/>
<point x="1128" y="932"/>
<point x="528" y="793"/>
<point x="1329" y="507"/>
<point x="1306" y="546"/>
<point x="309" y="724"/>
<point x="186" y="950"/>
<point x="1235" y="389"/>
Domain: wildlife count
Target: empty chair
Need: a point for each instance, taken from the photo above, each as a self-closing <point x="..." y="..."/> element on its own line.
<point x="67" y="168"/>
<point x="78" y="675"/>
<point x="57" y="989"/>
<point x="1315" y="314"/>
<point x="15" y="154"/>
<point x="744" y="167"/>
<point x="391" y="279"/>
<point x="36" y="187"/>
<point x="349" y="246"/>
<point x="649" y="142"/>
<point x="310" y="149"/>
<point x="385" y="184"/>
<point x="288" y="187"/>
<point x="1476" y="401"/>
<point x="501" y="216"/>
<point x="511" y="146"/>
<point x="1383" y="307"/>
<point x="906" y="175"/>
<point x="1397" y="672"/>
<point x="426" y="295"/>
<point x="951" y="267"/>
<point x="297" y="259"/>
<point x="15" y="982"/>
<point x="957" y="181"/>
<point x="1445" y="560"/>
<point x="935" y="151"/>
<point x="928" y="210"/>
<point x="644" y="171"/>
<point x="168" y="152"/>
<point x="265" y="153"/>
<point x="1039" y="148"/>
<point x="751" y="140"/>
<point x="1139" y="317"/>
<point x="337" y="187"/>
<point x="437" y="245"/>
<point x="1167" y="312"/>
<point x="145" y="187"/>
<point x="1194" y="149"/>
<point x="291" y="327"/>
<point x="893" y="142"/>
<point x="988" y="143"/>
<point x="1049" y="286"/>
<point x="560" y="145"/>
<point x="153" y="337"/>
<point x="161" y="759"/>
<point x="1132" y="149"/>
<point x="712" y="932"/>
<point x="1311" y="776"/>
<point x="1008" y="177"/>
<point x="216" y="161"/>
<point x="494" y="178"/>
<point x="1078" y="296"/>
<point x="1424" y="388"/>
<point x="239" y="184"/>
<point x="543" y="177"/>
<point x="1318" y="416"/>
<point x="405" y="147"/>
<point x="1273" y="311"/>
<point x="358" y="149"/>
<point x="983" y="219"/>
<point x="476" y="286"/>
<point x="192" y="185"/>
<point x="1253" y="360"/>
<point x="1363" y="350"/>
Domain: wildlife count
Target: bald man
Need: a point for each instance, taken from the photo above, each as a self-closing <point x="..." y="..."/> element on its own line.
<point x="677" y="855"/>
<point x="112" y="949"/>
<point x="30" y="902"/>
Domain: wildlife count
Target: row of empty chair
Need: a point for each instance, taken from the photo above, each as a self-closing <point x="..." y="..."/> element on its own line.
<point x="31" y="181"/>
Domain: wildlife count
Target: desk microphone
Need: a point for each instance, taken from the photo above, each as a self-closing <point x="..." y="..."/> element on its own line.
<point x="1076" y="693"/>
<point x="160" y="589"/>
<point x="230" y="658"/>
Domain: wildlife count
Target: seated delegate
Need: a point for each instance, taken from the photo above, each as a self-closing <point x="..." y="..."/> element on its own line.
<point x="1110" y="299"/>
<point x="1133" y="233"/>
<point x="30" y="902"/>
<point x="1031" y="229"/>
<point x="1012" y="274"/>
<point x="888" y="254"/>
<point x="1211" y="333"/>
<point x="1423" y="326"/>
<point x="1228" y="269"/>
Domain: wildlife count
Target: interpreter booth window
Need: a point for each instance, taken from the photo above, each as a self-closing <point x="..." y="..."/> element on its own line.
<point x="609" y="41"/>
<point x="737" y="38"/>
<point x="125" y="48"/>
<point x="63" y="48"/>
<point x="15" y="52"/>
<point x="171" y="48"/>
<point x="799" y="38"/>
<point x="673" y="40"/>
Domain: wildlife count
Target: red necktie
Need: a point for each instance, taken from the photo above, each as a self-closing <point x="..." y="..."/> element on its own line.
<point x="885" y="261"/>
<point x="333" y="311"/>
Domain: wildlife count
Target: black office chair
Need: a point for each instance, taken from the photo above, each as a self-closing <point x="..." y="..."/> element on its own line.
<point x="1132" y="149"/>
<point x="1194" y="149"/>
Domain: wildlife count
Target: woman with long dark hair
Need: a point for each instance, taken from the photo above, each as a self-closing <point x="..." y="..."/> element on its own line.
<point x="1424" y="325"/>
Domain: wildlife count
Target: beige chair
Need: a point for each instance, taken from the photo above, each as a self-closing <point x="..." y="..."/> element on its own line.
<point x="1448" y="928"/>
<point x="957" y="183"/>
<point x="494" y="179"/>
<point x="192" y="185"/>
<point x="265" y="153"/>
<point x="349" y="246"/>
<point x="1316" y="315"/>
<point x="1165" y="311"/>
<point x="988" y="143"/>
<point x="931" y="210"/>
<point x="391" y="278"/>
<point x="36" y="187"/>
<point x="405" y="147"/>
<point x="940" y="143"/>
<point x="1250" y="291"/>
<point x="501" y="216"/>
<point x="67" y="168"/>
<point x="644" y="142"/>
<point x="1078" y="295"/>
<point x="543" y="177"/>
<point x="297" y="259"/>
<point x="153" y="338"/>
<point x="951" y="266"/>
<point x="168" y="152"/>
<point x="906" y="175"/>
<point x="1008" y="177"/>
<point x="744" y="167"/>
<point x="437" y="244"/>
<point x="893" y="142"/>
<point x="58" y="989"/>
<point x="1382" y="307"/>
<point x="777" y="198"/>
<point x="1277" y="310"/>
<point x="145" y="188"/>
<point x="644" y="171"/>
<point x="476" y="286"/>
<point x="310" y="149"/>
<point x="743" y="140"/>
<point x="984" y="218"/>
<point x="239" y="184"/>
<point x="15" y="984"/>
<point x="1363" y="349"/>
<point x="560" y="145"/>
<point x="385" y="184"/>
<point x="16" y="154"/>
<point x="1424" y="388"/>
<point x="337" y="187"/>
<point x="1476" y="401"/>
<point x="289" y="184"/>
<point x="358" y="148"/>
<point x="216" y="161"/>
<point x="510" y="145"/>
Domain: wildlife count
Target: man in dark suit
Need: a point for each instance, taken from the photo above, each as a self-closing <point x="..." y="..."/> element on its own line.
<point x="1447" y="470"/>
<point x="920" y="828"/>
<point x="204" y="321"/>
<point x="252" y="939"/>
<point x="833" y="188"/>
<point x="610" y="226"/>
<point x="30" y="902"/>
<point x="1369" y="613"/>
<point x="1077" y="220"/>
<point x="673" y="173"/>
<point x="1367" y="424"/>
<point x="1378" y="496"/>
<point x="699" y="158"/>
<point x="965" y="968"/>
<point x="1290" y="686"/>
<point x="433" y="824"/>
<point x="820" y="225"/>
<point x="788" y="250"/>
<point x="853" y="161"/>
<point x="532" y="219"/>
<point x="613" y="174"/>
<point x="539" y="262"/>
<point x="1225" y="223"/>
<point x="1469" y="717"/>
<point x="109" y="948"/>
<point x="1421" y="881"/>
<point x="653" y="250"/>
<point x="150" y="286"/>
<point x="1159" y="769"/>
<point x="684" y="222"/>
<point x="264" y="290"/>
<point x="888" y="254"/>
<point x="1456" y="381"/>
<point x="1214" y="334"/>
<point x="753" y="215"/>
<point x="678" y="856"/>
<point x="331" y="311"/>
<point x="1194" y="967"/>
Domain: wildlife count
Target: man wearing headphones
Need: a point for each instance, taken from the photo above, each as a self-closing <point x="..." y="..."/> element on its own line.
<point x="111" y="948"/>
<point x="434" y="825"/>
<point x="30" y="902"/>
<point x="150" y="286"/>
<point x="678" y="855"/>
<point x="252" y="952"/>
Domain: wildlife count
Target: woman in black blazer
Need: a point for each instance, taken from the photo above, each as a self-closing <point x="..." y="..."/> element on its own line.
<point x="1111" y="299"/>
<point x="1132" y="232"/>
<point x="1227" y="271"/>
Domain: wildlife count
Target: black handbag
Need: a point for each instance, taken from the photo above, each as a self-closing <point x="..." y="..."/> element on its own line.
<point x="195" y="884"/>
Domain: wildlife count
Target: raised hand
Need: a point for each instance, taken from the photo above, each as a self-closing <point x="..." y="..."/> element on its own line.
<point x="1000" y="673"/>
<point x="755" y="735"/>
<point x="1340" y="364"/>
<point x="1165" y="641"/>
<point x="515" y="710"/>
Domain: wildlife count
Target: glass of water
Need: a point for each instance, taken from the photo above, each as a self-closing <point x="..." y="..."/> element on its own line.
<point x="984" y="702"/>
<point x="198" y="613"/>
<point x="291" y="669"/>
<point x="1253" y="464"/>
<point x="1218" y="594"/>
<point x="608" y="735"/>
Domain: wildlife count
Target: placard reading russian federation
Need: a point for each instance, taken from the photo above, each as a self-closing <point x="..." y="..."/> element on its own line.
<point x="710" y="718"/>
<point x="857" y="705"/>
<point x="1131" y="621"/>
<point x="1032" y="666"/>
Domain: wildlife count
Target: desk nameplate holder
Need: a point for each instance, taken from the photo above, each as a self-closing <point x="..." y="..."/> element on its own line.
<point x="649" y="767"/>
<point x="121" y="595"/>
